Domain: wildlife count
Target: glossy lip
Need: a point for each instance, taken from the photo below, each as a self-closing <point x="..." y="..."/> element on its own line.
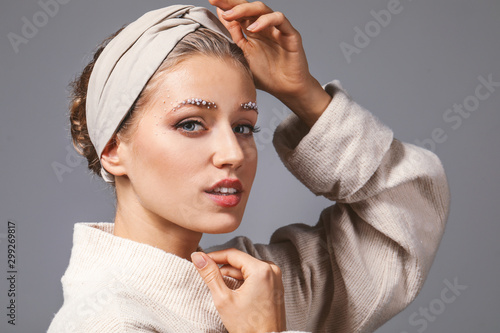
<point x="230" y="200"/>
<point x="226" y="200"/>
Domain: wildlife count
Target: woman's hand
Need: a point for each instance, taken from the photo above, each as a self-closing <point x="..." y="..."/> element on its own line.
<point x="258" y="304"/>
<point x="276" y="56"/>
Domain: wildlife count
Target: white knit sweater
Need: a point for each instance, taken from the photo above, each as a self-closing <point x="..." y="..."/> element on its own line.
<point x="364" y="260"/>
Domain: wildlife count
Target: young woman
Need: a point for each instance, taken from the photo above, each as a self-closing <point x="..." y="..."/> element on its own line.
<point x="165" y="112"/>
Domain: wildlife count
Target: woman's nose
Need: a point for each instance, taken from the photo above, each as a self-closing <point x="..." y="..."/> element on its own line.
<point x="227" y="149"/>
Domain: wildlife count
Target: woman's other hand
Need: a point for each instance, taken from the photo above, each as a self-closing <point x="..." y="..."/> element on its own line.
<point x="258" y="304"/>
<point x="276" y="56"/>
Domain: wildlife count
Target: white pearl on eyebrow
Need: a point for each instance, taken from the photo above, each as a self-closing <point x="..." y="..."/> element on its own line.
<point x="250" y="106"/>
<point x="195" y="101"/>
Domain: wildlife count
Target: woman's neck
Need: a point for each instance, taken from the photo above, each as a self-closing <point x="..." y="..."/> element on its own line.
<point x="134" y="222"/>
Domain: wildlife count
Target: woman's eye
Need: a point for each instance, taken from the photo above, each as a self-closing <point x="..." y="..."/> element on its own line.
<point x="190" y="126"/>
<point x="246" y="129"/>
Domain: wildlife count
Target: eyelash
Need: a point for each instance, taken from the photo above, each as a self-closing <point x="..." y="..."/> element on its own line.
<point x="253" y="129"/>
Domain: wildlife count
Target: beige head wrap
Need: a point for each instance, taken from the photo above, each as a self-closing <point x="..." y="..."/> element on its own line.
<point x="128" y="62"/>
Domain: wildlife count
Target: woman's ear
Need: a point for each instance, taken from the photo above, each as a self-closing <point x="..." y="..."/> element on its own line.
<point x="111" y="158"/>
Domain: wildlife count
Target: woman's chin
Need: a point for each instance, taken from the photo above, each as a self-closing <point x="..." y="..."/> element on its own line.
<point x="222" y="227"/>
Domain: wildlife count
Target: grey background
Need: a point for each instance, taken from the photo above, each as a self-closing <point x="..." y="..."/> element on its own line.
<point x="427" y="59"/>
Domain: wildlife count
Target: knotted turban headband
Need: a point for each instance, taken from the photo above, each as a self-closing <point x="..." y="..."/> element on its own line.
<point x="128" y="62"/>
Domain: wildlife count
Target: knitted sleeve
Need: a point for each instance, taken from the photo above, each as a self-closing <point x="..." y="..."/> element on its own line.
<point x="368" y="255"/>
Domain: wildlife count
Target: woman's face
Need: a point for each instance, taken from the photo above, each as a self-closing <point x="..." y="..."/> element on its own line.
<point x="180" y="150"/>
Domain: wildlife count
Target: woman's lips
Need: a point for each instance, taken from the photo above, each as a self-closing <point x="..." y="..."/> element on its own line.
<point x="228" y="183"/>
<point x="215" y="192"/>
<point x="225" y="200"/>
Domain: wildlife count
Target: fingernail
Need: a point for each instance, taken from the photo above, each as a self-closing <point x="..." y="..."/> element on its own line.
<point x="198" y="260"/>
<point x="253" y="26"/>
<point x="228" y="12"/>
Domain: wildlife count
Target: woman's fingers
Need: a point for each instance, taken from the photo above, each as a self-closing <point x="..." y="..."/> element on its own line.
<point x="234" y="29"/>
<point x="261" y="294"/>
<point x="246" y="10"/>
<point x="265" y="17"/>
<point x="256" y="24"/>
<point x="235" y="258"/>
<point x="210" y="273"/>
<point x="242" y="262"/>
<point x="232" y="272"/>
<point x="274" y="19"/>
<point x="226" y="4"/>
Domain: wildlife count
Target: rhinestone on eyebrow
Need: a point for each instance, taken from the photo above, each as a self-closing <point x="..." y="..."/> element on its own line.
<point x="250" y="106"/>
<point x="196" y="101"/>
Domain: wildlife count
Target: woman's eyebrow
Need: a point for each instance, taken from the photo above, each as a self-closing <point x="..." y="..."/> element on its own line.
<point x="198" y="102"/>
<point x="202" y="103"/>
